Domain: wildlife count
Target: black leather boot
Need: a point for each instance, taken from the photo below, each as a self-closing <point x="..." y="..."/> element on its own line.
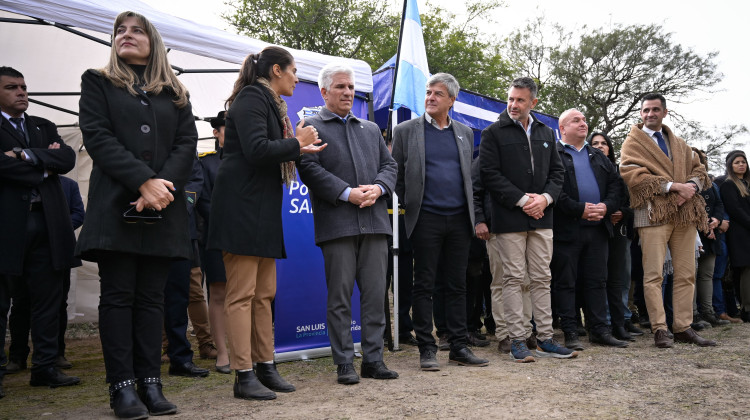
<point x="269" y="376"/>
<point x="149" y="389"/>
<point x="124" y="400"/>
<point x="248" y="387"/>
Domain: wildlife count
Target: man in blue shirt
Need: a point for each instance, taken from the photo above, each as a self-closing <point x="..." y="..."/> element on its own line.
<point x="591" y="193"/>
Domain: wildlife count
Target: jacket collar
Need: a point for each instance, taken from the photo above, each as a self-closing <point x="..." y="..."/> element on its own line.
<point x="7" y="126"/>
<point x="505" y="119"/>
<point x="328" y="115"/>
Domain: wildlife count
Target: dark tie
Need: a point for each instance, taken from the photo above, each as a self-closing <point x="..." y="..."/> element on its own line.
<point x="19" y="127"/>
<point x="662" y="143"/>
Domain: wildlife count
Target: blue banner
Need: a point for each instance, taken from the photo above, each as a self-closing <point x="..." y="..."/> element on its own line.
<point x="300" y="307"/>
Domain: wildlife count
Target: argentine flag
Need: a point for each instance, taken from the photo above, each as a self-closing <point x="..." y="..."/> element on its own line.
<point x="412" y="66"/>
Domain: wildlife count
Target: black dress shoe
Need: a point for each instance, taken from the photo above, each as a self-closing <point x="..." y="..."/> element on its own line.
<point x="428" y="362"/>
<point x="149" y="390"/>
<point x="346" y="374"/>
<point x="188" y="369"/>
<point x="62" y="363"/>
<point x="464" y="357"/>
<point x="14" y="366"/>
<point x="621" y="333"/>
<point x="475" y="339"/>
<point x="572" y="341"/>
<point x="407" y="339"/>
<point x="52" y="378"/>
<point x="444" y="343"/>
<point x="632" y="329"/>
<point x="125" y="401"/>
<point x="606" y="339"/>
<point x="269" y="376"/>
<point x="377" y="370"/>
<point x="697" y="326"/>
<point x="248" y="387"/>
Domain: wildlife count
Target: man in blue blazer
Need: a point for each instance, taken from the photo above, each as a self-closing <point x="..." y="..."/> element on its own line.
<point x="433" y="153"/>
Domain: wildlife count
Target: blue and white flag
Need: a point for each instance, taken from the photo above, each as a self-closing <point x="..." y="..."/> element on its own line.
<point x="412" y="67"/>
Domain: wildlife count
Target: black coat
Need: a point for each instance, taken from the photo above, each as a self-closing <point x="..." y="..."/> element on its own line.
<point x="569" y="209"/>
<point x="17" y="178"/>
<point x="245" y="210"/>
<point x="505" y="166"/>
<point x="130" y="140"/>
<point x="738" y="235"/>
<point x="714" y="208"/>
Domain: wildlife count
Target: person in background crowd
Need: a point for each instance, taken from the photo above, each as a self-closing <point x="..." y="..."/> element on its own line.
<point x="433" y="153"/>
<point x="735" y="192"/>
<point x="703" y="310"/>
<point x="260" y="148"/>
<point x="618" y="261"/>
<point x="211" y="259"/>
<point x="138" y="127"/>
<point x="349" y="183"/>
<point x="522" y="172"/>
<point x="663" y="175"/>
<point x="36" y="236"/>
<point x="177" y="291"/>
<point x="20" y="314"/>
<point x="591" y="193"/>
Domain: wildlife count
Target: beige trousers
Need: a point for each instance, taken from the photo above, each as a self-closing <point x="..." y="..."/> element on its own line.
<point x="496" y="291"/>
<point x="198" y="308"/>
<point x="527" y="254"/>
<point x="681" y="242"/>
<point x="251" y="286"/>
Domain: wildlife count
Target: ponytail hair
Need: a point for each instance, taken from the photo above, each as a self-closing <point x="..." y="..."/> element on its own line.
<point x="259" y="65"/>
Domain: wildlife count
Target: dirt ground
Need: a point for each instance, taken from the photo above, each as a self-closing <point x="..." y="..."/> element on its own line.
<point x="638" y="382"/>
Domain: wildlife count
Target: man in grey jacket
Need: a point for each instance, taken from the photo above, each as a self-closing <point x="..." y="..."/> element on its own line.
<point x="349" y="183"/>
<point x="433" y="153"/>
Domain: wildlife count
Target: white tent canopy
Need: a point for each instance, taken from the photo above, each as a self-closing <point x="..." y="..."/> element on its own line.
<point x="52" y="60"/>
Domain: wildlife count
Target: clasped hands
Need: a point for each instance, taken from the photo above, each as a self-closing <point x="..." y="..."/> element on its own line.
<point x="594" y="212"/>
<point x="535" y="205"/>
<point x="365" y="195"/>
<point x="156" y="194"/>
<point x="684" y="191"/>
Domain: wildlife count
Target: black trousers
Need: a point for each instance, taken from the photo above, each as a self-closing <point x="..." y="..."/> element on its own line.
<point x="584" y="262"/>
<point x="131" y="314"/>
<point x="441" y="254"/>
<point x="176" y="300"/>
<point x="4" y="307"/>
<point x="40" y="287"/>
<point x="20" y="323"/>
<point x="617" y="278"/>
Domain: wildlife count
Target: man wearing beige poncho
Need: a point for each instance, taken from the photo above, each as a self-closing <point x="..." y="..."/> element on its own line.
<point x="663" y="175"/>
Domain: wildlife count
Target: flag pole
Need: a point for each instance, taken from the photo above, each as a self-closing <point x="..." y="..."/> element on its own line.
<point x="393" y="121"/>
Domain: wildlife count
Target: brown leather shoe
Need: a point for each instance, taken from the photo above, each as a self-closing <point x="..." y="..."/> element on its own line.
<point x="503" y="346"/>
<point x="662" y="340"/>
<point x="207" y="351"/>
<point x="691" y="337"/>
<point x="726" y="317"/>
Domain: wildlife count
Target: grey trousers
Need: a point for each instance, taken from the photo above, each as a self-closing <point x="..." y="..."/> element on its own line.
<point x="364" y="259"/>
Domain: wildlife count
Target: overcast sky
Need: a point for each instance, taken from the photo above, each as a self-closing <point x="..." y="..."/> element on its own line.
<point x="720" y="25"/>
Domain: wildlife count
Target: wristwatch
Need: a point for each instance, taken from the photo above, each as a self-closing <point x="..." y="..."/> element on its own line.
<point x="19" y="152"/>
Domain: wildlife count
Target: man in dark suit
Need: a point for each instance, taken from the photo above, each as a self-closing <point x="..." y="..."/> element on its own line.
<point x="36" y="236"/>
<point x="433" y="153"/>
<point x="348" y="184"/>
<point x="590" y="194"/>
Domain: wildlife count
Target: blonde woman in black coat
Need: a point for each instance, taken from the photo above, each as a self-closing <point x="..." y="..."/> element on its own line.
<point x="260" y="148"/>
<point x="139" y="130"/>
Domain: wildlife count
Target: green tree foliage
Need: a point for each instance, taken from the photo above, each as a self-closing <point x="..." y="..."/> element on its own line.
<point x="606" y="72"/>
<point x="368" y="30"/>
<point x="345" y="28"/>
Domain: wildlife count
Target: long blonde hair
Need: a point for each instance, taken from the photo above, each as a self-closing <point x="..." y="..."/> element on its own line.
<point x="158" y="75"/>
